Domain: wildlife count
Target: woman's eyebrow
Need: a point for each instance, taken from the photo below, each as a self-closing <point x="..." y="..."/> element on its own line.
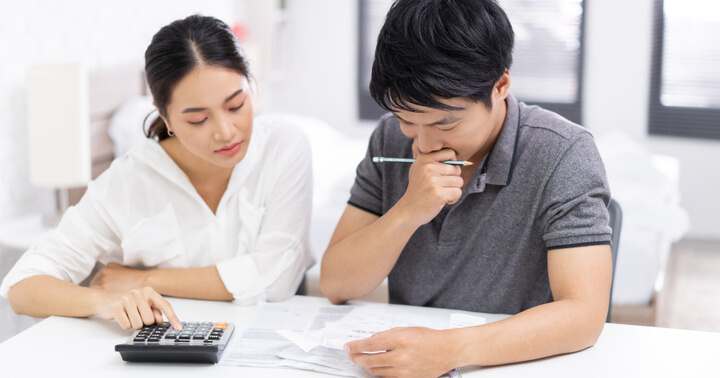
<point x="237" y="92"/>
<point x="193" y="110"/>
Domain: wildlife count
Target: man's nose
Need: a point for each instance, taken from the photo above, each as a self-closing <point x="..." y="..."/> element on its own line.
<point x="427" y="142"/>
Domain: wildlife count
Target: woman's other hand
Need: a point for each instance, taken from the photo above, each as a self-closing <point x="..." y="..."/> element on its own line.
<point x="119" y="278"/>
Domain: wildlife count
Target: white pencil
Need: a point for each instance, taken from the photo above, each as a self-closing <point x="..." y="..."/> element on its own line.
<point x="381" y="159"/>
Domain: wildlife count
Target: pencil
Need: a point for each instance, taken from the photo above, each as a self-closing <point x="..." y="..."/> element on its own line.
<point x="381" y="159"/>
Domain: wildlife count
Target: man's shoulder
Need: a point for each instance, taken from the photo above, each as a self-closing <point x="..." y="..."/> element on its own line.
<point x="548" y="125"/>
<point x="549" y="129"/>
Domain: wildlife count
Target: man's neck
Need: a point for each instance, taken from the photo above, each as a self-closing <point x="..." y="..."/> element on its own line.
<point x="498" y="119"/>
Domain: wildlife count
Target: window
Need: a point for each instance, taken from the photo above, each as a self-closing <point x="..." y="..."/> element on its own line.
<point x="547" y="61"/>
<point x="685" y="81"/>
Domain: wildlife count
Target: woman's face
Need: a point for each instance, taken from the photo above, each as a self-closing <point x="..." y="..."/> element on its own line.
<point x="211" y="114"/>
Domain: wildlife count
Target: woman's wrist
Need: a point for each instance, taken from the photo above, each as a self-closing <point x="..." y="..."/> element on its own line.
<point x="150" y="278"/>
<point x="99" y="300"/>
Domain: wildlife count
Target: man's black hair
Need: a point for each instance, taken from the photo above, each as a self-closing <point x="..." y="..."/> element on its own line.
<point x="443" y="48"/>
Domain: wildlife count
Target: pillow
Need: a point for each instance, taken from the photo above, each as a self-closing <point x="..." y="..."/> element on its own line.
<point x="126" y="125"/>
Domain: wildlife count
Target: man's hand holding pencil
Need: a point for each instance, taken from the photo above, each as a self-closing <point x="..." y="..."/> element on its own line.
<point x="432" y="184"/>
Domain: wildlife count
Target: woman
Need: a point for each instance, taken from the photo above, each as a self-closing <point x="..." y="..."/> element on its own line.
<point x="217" y="208"/>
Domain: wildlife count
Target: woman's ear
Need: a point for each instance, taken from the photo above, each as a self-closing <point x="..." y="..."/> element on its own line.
<point x="167" y="124"/>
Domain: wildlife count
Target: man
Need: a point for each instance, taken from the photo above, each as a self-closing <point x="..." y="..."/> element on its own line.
<point x="523" y="231"/>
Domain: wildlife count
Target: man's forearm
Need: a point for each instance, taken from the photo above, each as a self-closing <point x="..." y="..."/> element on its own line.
<point x="554" y="328"/>
<point x="357" y="264"/>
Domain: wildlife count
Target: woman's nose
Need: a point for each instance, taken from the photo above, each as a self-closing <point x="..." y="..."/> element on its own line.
<point x="225" y="130"/>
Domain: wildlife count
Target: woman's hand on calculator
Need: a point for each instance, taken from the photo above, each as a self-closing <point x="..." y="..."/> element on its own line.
<point x="136" y="308"/>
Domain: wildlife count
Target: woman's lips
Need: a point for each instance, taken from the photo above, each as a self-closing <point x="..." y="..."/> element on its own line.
<point x="230" y="149"/>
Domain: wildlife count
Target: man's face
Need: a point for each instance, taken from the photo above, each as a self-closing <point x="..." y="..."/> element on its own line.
<point x="469" y="132"/>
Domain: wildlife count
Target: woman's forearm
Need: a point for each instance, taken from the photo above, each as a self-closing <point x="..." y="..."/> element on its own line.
<point x="42" y="296"/>
<point x="196" y="283"/>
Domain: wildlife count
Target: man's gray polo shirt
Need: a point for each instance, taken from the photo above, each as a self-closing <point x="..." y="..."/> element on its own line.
<point x="542" y="187"/>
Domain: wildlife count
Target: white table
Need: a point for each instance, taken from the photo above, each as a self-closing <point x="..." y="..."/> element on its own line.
<point x="68" y="347"/>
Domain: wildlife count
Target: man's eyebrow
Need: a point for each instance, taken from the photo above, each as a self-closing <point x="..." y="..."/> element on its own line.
<point x="402" y="120"/>
<point x="193" y="110"/>
<point x="445" y="121"/>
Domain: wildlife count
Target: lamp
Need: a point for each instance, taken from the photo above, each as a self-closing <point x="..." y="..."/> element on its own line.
<point x="59" y="128"/>
<point x="59" y="144"/>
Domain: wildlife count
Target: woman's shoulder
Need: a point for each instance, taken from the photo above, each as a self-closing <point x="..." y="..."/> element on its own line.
<point x="282" y="127"/>
<point x="281" y="135"/>
<point x="132" y="169"/>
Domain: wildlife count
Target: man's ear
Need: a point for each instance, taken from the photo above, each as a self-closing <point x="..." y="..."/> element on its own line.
<point x="502" y="87"/>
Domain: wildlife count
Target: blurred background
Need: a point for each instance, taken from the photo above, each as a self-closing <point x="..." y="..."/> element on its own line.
<point x="642" y="76"/>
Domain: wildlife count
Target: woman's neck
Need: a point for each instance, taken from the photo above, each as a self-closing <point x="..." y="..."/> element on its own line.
<point x="201" y="173"/>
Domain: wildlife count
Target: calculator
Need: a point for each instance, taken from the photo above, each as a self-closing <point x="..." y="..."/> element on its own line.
<point x="197" y="342"/>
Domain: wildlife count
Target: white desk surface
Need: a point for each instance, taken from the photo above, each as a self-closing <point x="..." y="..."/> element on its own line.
<point x="59" y="347"/>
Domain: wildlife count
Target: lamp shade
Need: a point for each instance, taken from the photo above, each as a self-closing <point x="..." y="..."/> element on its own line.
<point x="58" y="125"/>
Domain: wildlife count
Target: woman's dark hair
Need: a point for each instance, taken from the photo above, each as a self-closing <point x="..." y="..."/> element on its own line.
<point x="179" y="48"/>
<point x="443" y="48"/>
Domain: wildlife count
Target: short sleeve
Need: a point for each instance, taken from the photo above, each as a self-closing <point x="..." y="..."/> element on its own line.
<point x="366" y="193"/>
<point x="575" y="199"/>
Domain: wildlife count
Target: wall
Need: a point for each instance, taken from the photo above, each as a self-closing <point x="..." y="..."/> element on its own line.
<point x="616" y="95"/>
<point x="98" y="33"/>
<point x="316" y="75"/>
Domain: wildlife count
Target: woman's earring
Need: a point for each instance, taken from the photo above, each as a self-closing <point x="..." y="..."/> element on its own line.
<point x="171" y="133"/>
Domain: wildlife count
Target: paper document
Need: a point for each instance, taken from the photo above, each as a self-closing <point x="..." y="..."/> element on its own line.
<point x="458" y="320"/>
<point x="312" y="337"/>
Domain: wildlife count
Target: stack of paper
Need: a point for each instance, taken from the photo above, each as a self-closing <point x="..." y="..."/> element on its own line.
<point x="312" y="337"/>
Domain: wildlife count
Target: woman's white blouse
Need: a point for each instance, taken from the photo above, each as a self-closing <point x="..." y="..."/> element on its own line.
<point x="143" y="212"/>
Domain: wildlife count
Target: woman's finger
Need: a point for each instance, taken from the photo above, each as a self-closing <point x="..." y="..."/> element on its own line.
<point x="132" y="312"/>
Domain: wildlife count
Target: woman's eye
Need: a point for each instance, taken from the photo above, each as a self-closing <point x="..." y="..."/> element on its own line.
<point x="237" y="107"/>
<point x="198" y="122"/>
